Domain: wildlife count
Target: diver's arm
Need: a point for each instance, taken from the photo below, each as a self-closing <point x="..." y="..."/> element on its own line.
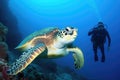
<point x="109" y="39"/>
<point x="90" y="32"/>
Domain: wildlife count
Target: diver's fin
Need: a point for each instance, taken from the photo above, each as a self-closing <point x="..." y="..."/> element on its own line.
<point x="25" y="59"/>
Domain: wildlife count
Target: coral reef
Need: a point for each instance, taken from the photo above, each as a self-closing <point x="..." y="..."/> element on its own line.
<point x="3" y="48"/>
<point x="3" y="32"/>
<point x="36" y="72"/>
<point x="64" y="76"/>
<point x="3" y="44"/>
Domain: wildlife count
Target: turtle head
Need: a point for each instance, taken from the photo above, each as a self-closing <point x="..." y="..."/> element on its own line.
<point x="67" y="35"/>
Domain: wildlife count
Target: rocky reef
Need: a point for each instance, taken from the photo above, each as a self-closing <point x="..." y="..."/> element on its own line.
<point x="9" y="19"/>
<point x="3" y="44"/>
<point x="36" y="72"/>
<point x="3" y="48"/>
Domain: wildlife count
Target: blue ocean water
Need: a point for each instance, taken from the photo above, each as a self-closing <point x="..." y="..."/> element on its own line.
<point x="34" y="15"/>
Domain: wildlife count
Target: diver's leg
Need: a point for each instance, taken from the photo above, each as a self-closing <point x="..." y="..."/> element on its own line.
<point x="95" y="51"/>
<point x="103" y="53"/>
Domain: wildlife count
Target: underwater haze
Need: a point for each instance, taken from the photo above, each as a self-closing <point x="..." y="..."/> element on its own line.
<point x="33" y="15"/>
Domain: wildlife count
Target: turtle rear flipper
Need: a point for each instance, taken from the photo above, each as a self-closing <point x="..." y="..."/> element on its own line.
<point x="25" y="59"/>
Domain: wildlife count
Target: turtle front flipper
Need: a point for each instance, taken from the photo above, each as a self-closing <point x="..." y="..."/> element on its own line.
<point x="78" y="57"/>
<point x="25" y="59"/>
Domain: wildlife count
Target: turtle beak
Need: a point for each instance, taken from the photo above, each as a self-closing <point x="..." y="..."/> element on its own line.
<point x="76" y="29"/>
<point x="75" y="32"/>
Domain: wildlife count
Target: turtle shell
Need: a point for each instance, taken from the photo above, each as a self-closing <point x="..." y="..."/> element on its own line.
<point x="43" y="32"/>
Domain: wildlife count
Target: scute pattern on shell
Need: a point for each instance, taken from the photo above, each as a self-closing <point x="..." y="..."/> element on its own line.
<point x="38" y="33"/>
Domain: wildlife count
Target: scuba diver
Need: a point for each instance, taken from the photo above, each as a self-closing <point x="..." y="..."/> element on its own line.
<point x="98" y="38"/>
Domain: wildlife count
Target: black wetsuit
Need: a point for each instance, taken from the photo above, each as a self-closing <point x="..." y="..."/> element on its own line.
<point x="98" y="37"/>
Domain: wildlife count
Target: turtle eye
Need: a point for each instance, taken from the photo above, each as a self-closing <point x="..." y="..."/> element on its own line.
<point x="67" y="29"/>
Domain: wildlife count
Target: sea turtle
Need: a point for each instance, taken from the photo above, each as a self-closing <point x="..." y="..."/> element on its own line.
<point x="48" y="43"/>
